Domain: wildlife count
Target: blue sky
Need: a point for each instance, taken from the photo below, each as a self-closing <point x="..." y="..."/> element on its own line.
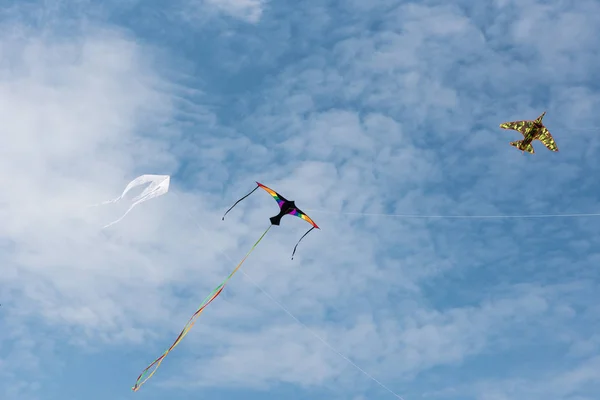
<point x="377" y="106"/>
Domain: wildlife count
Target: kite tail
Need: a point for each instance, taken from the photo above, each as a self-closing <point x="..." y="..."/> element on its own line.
<point x="294" y="252"/>
<point x="156" y="363"/>
<point x="235" y="204"/>
<point x="146" y="374"/>
<point x="105" y="202"/>
<point x="118" y="220"/>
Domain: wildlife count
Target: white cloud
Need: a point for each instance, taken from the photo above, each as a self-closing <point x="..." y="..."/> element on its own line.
<point x="249" y="11"/>
<point x="78" y="116"/>
<point x="369" y="121"/>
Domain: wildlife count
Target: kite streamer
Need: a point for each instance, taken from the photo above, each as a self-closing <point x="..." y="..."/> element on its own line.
<point x="145" y="375"/>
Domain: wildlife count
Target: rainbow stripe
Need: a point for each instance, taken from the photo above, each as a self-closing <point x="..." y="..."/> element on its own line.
<point x="303" y="216"/>
<point x="273" y="193"/>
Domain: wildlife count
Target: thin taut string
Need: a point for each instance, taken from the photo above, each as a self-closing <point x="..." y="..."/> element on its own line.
<point x="458" y="216"/>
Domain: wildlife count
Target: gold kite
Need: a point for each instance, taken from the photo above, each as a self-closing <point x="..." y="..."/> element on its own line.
<point x="531" y="131"/>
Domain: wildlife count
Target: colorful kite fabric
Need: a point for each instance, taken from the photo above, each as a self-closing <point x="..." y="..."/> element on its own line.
<point x="285" y="207"/>
<point x="159" y="185"/>
<point x="531" y="130"/>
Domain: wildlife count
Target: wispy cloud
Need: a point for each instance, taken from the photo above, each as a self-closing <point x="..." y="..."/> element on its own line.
<point x="249" y="10"/>
<point x="373" y="107"/>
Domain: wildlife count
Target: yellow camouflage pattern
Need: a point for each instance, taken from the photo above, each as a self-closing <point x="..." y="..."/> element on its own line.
<point x="531" y="130"/>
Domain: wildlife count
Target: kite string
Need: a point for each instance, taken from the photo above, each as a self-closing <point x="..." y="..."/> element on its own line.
<point x="457" y="216"/>
<point x="288" y="312"/>
<point x="319" y="337"/>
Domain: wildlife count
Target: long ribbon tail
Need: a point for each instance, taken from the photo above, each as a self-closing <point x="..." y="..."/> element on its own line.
<point x="105" y="202"/>
<point x="123" y="216"/>
<point x="235" y="204"/>
<point x="146" y="374"/>
<point x="294" y="252"/>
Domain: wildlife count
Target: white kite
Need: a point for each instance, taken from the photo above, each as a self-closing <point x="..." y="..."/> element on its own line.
<point x="159" y="185"/>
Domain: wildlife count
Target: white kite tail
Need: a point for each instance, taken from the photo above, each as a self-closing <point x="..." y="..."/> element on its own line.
<point x="159" y="185"/>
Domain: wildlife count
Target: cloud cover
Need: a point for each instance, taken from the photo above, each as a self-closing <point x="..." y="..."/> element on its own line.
<point x="377" y="107"/>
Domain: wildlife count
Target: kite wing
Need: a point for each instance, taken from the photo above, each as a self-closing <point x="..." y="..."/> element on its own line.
<point x="546" y="138"/>
<point x="278" y="198"/>
<point x="159" y="185"/>
<point x="519" y="145"/>
<point x="298" y="213"/>
<point x="520" y="126"/>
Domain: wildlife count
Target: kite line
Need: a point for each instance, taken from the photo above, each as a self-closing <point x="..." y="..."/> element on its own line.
<point x="320" y="338"/>
<point x="499" y="216"/>
<point x="288" y="312"/>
